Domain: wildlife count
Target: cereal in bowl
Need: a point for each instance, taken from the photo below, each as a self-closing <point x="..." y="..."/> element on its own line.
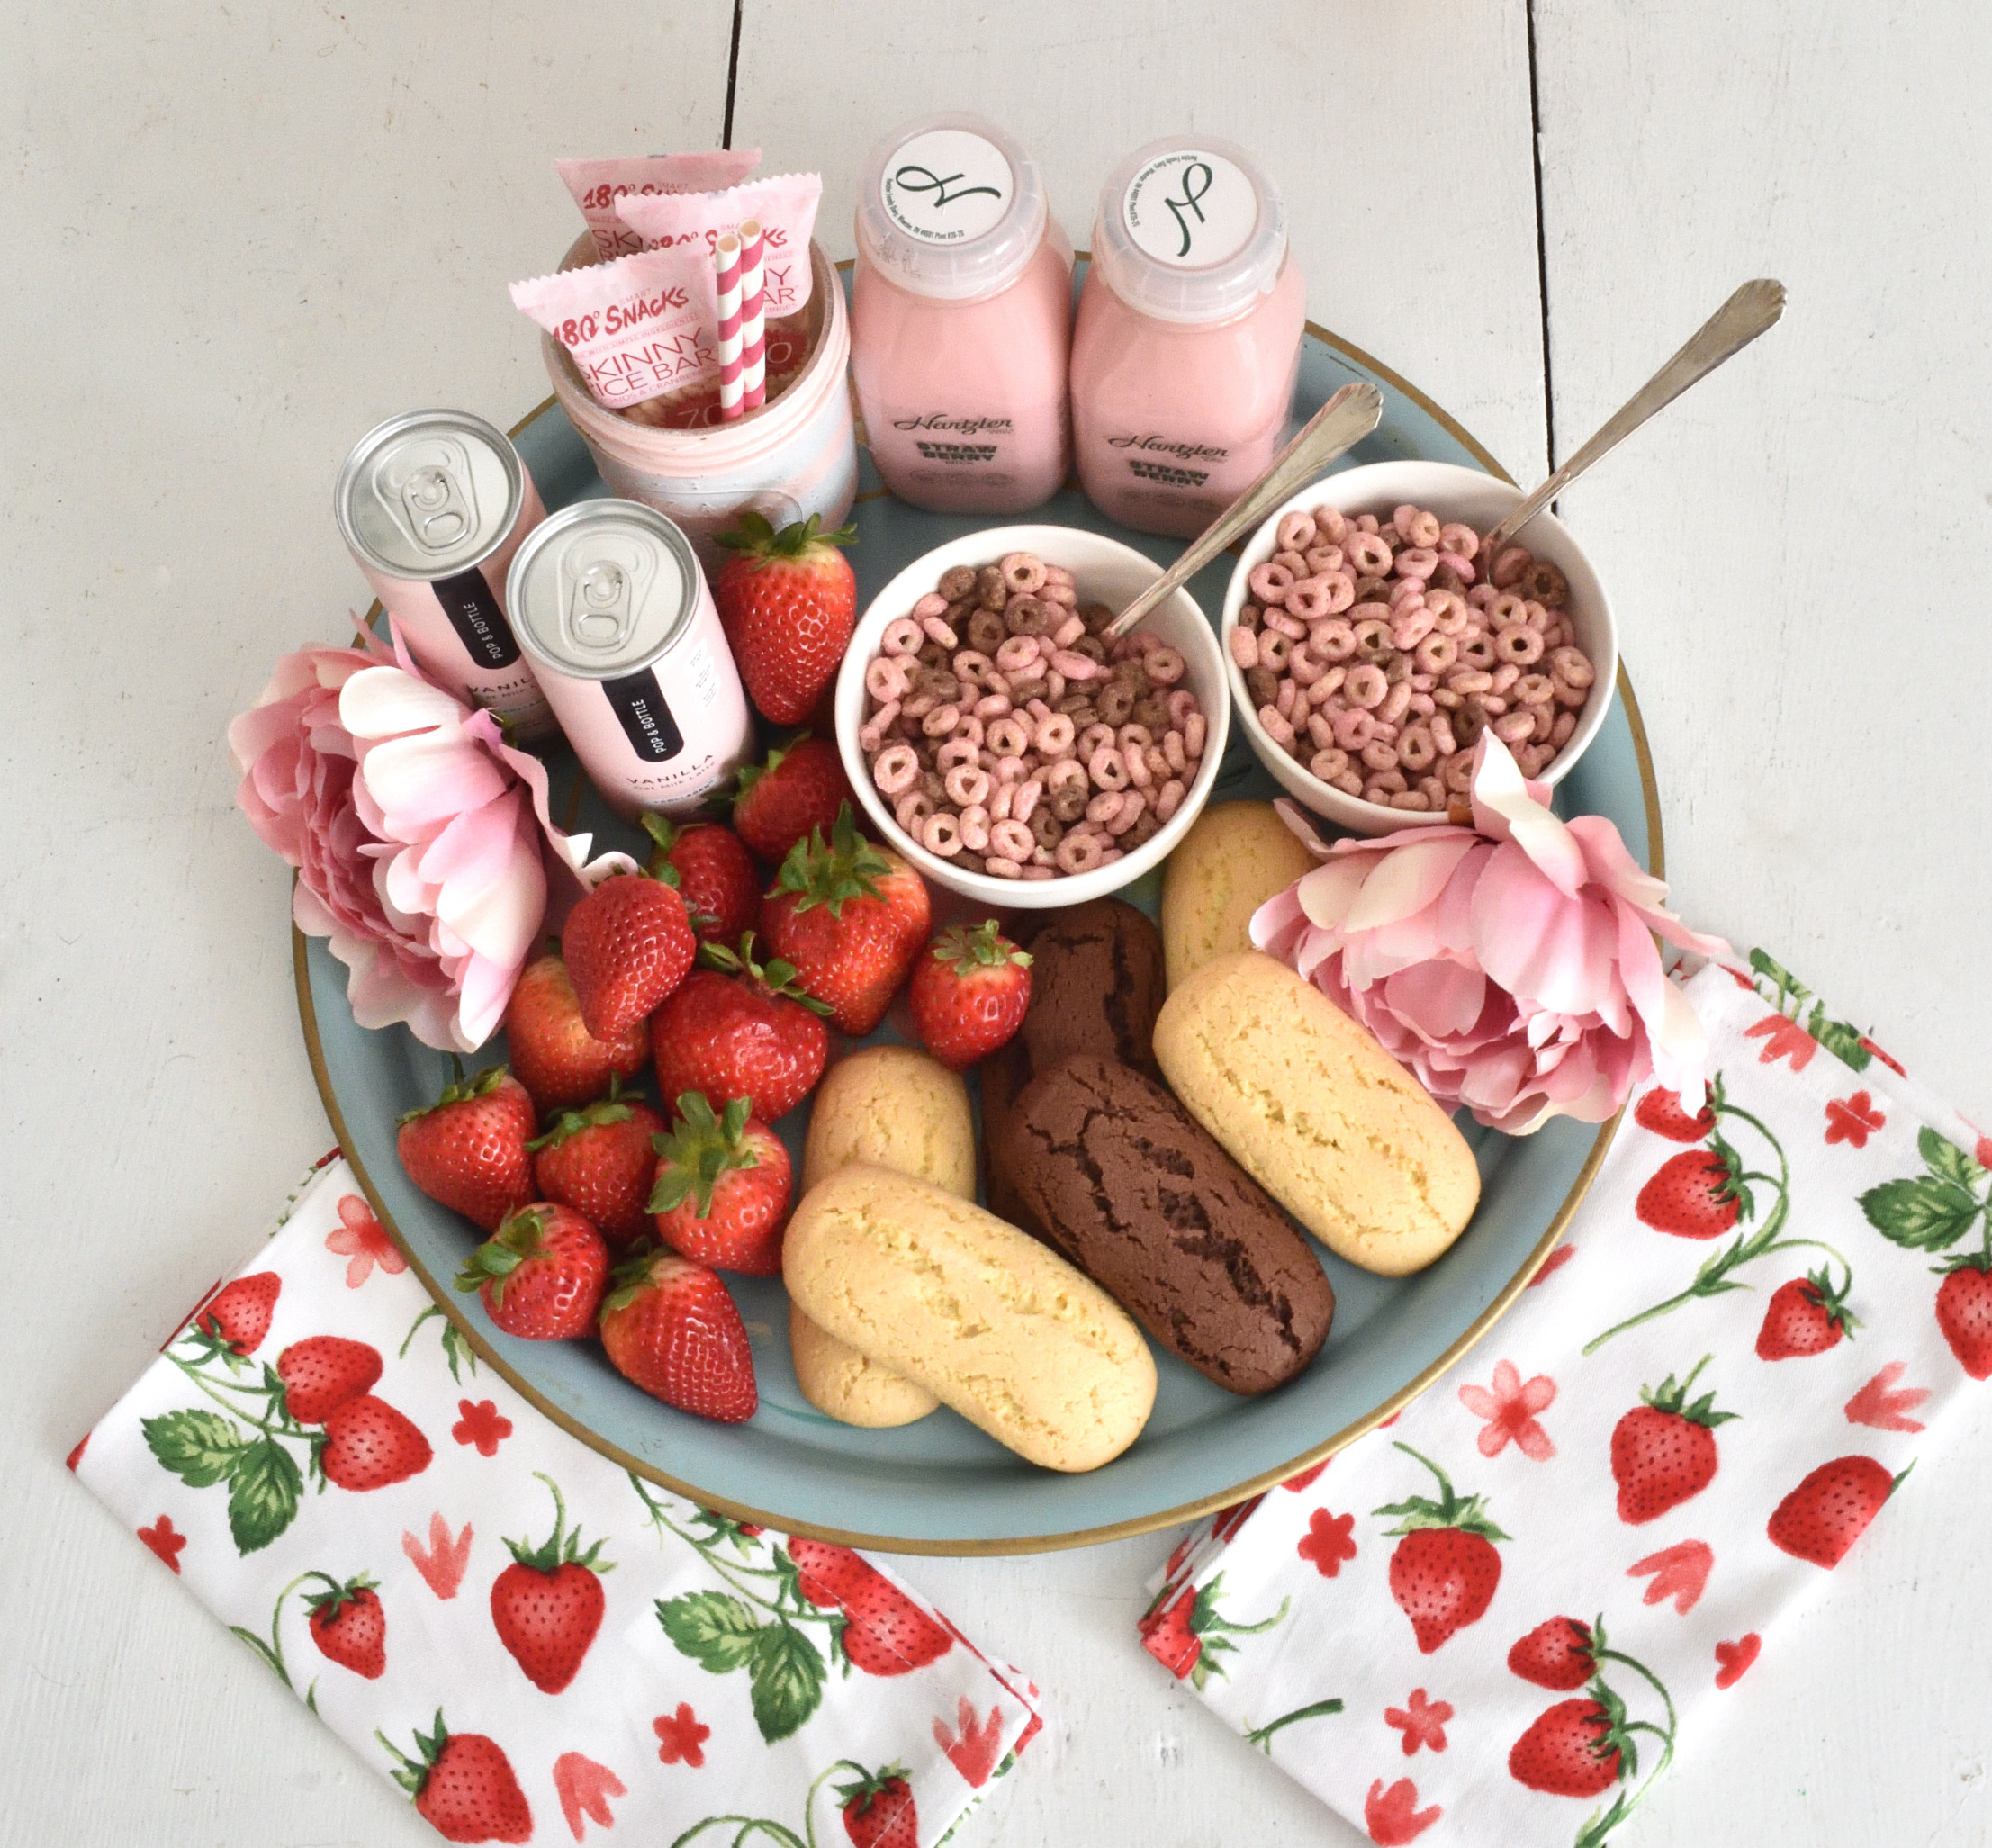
<point x="1010" y="739"/>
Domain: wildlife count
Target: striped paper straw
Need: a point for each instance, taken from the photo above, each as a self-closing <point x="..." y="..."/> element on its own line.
<point x="753" y="327"/>
<point x="726" y="265"/>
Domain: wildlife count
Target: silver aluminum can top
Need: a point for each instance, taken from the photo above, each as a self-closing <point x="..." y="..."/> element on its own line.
<point x="428" y="494"/>
<point x="603" y="589"/>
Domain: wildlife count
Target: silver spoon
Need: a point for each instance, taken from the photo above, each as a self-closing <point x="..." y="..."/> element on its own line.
<point x="1751" y="311"/>
<point x="1349" y="416"/>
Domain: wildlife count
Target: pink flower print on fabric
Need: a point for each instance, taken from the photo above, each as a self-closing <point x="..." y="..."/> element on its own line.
<point x="362" y="1240"/>
<point x="1392" y="1817"/>
<point x="585" y="1789"/>
<point x="1509" y="1409"/>
<point x="482" y="1424"/>
<point x="161" y="1538"/>
<point x="1853" y="1119"/>
<point x="974" y="1746"/>
<point x="1883" y="1406"/>
<point x="1679" y="1572"/>
<point x="442" y="1562"/>
<point x="681" y="1739"/>
<point x="1783" y="1038"/>
<point x="1421" y="1721"/>
<point x="1733" y="1659"/>
<point x="1328" y="1541"/>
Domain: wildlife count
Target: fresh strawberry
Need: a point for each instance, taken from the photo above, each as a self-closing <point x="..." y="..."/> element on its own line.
<point x="1578" y="1748"/>
<point x="322" y="1372"/>
<point x="851" y="917"/>
<point x="723" y="1189"/>
<point x="787" y="602"/>
<point x="1663" y="1450"/>
<point x="1559" y="1653"/>
<point x="887" y="1633"/>
<point x="627" y="945"/>
<point x="552" y="1053"/>
<point x="541" y="1275"/>
<point x="238" y="1315"/>
<point x="878" y="1811"/>
<point x="546" y="1605"/>
<point x="463" y="1786"/>
<point x="1804" y="1317"/>
<point x="1445" y="1569"/>
<point x="1697" y="1193"/>
<point x="970" y="993"/>
<point x="715" y="875"/>
<point x="348" y="1625"/>
<point x="1166" y="1635"/>
<point x="368" y="1445"/>
<point x="1660" y="1111"/>
<point x="598" y="1160"/>
<point x="1964" y="1316"/>
<point x="468" y="1148"/>
<point x="1827" y="1513"/>
<point x="739" y="1028"/>
<point x="799" y="790"/>
<point x="670" y="1327"/>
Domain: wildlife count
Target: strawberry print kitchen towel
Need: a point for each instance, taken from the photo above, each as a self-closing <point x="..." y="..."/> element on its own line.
<point x="1498" y="1618"/>
<point x="534" y="1645"/>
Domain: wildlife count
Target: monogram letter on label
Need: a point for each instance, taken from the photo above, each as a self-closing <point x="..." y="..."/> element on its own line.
<point x="1196" y="182"/>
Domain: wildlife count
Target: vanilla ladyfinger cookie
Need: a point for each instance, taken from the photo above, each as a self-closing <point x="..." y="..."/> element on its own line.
<point x="990" y="1321"/>
<point x="895" y="1107"/>
<point x="1235" y="857"/>
<point x="1314" y="1110"/>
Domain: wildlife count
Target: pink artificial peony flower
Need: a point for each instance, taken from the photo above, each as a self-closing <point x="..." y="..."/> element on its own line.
<point x="1510" y="966"/>
<point x="417" y="834"/>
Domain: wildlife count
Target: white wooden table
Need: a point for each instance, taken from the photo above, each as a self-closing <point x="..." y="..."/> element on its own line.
<point x="236" y="237"/>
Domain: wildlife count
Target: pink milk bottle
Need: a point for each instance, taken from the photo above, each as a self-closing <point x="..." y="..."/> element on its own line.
<point x="961" y="319"/>
<point x="1188" y="338"/>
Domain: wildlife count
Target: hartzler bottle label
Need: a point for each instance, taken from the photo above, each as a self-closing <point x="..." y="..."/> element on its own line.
<point x="1168" y="460"/>
<point x="942" y="436"/>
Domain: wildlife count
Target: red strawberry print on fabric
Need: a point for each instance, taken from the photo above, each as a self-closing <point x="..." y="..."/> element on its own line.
<point x="1680" y="1571"/>
<point x="75" y="1456"/>
<point x="482" y="1424"/>
<point x="1392" y="1817"/>
<point x="348" y="1625"/>
<point x="1853" y="1119"/>
<point x="463" y="1786"/>
<point x="362" y="1240"/>
<point x="1830" y="1510"/>
<point x="1733" y="1658"/>
<point x="1553" y="1263"/>
<point x="1964" y="1317"/>
<point x="1580" y="1748"/>
<point x="369" y="1445"/>
<point x="443" y="1561"/>
<point x="1933" y="1213"/>
<point x="584" y="1788"/>
<point x="1805" y="1317"/>
<point x="1187" y="1634"/>
<point x="1421" y="1721"/>
<point x="167" y="1544"/>
<point x="1783" y="1038"/>
<point x="547" y="1605"/>
<point x="1308" y="1478"/>
<point x="1697" y="1194"/>
<point x="973" y="1747"/>
<point x="681" y="1738"/>
<point x="1576" y="1749"/>
<point x="1660" y="1111"/>
<point x="1664" y="1451"/>
<point x="887" y="1633"/>
<point x="238" y="1315"/>
<point x="1327" y="1543"/>
<point x="1230" y="1520"/>
<point x="1509" y="1405"/>
<point x="878" y="1810"/>
<point x="1445" y="1570"/>
<point x="1883" y="1406"/>
<point x="1560" y="1655"/>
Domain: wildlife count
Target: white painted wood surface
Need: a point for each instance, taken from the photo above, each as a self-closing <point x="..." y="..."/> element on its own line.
<point x="235" y="240"/>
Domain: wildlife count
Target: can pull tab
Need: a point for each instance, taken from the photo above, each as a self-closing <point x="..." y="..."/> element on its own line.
<point x="599" y="616"/>
<point x="439" y="513"/>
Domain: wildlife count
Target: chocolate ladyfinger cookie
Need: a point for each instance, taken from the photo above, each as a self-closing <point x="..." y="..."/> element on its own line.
<point x="1137" y="1194"/>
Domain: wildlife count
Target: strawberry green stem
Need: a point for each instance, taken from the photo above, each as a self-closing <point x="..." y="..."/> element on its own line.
<point x="749" y="1825"/>
<point x="272" y="1652"/>
<point x="1262" y="1736"/>
<point x="732" y="1571"/>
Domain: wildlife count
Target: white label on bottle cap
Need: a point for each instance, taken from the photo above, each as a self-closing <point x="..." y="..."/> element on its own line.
<point x="1190" y="210"/>
<point x="947" y="186"/>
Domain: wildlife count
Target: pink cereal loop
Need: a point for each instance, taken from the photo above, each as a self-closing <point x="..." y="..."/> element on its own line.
<point x="1016" y="654"/>
<point x="886" y="680"/>
<point x="1244" y="646"/>
<point x="1066" y="773"/>
<point x="1068" y="632"/>
<point x="1023" y="573"/>
<point x="1292" y="561"/>
<point x="1108" y="768"/>
<point x="1372" y="633"/>
<point x="1009" y="737"/>
<point x="1515" y="727"/>
<point x="1023" y="799"/>
<point x="1365" y="685"/>
<point x="1131" y="810"/>
<point x="1074" y="667"/>
<point x="941" y="721"/>
<point x="1309" y="600"/>
<point x="1139" y="773"/>
<point x="1534" y="689"/>
<point x="1009" y="770"/>
<point x="1077" y="853"/>
<point x="1379" y="755"/>
<point x="994" y="707"/>
<point x="1277" y="728"/>
<point x="1463" y="539"/>
<point x="1054" y="735"/>
<point x="1104" y="807"/>
<point x="1001" y="799"/>
<point x="1573" y="667"/>
<point x="1559" y="733"/>
<point x="1303" y="665"/>
<point x="1332" y="641"/>
<point x="1478" y="650"/>
<point x="1395" y="703"/>
<point x="932" y="604"/>
<point x="1268" y="582"/>
<point x="1168" y="799"/>
<point x="912" y="810"/>
<point x="1370" y="556"/>
<point x="1353" y="728"/>
<point x="1508" y="611"/>
<point x="975" y="829"/>
<point x="1403" y="591"/>
<point x="1012" y="839"/>
<point x="1481" y="596"/>
<point x="941" y="834"/>
<point x="1418" y="562"/>
<point x="1062" y="595"/>
<point x="967" y="785"/>
<point x="1421" y="529"/>
<point x="896" y="768"/>
<point x="1058" y="574"/>
<point x="1166" y="666"/>
<point x="1411" y="627"/>
<point x="1133" y="737"/>
<point x="972" y="664"/>
<point x="1194" y="732"/>
<point x="901" y="636"/>
<point x="1295" y="533"/>
<point x="1323" y="558"/>
<point x="936" y="629"/>
<point x="1091" y="740"/>
<point x="1281" y="624"/>
<point x="1510" y="568"/>
<point x="1275" y="650"/>
<point x="1000" y="867"/>
<point x="1331" y="524"/>
<point x="1522" y="648"/>
<point x="1181" y="704"/>
<point x="956" y="752"/>
<point x="1461" y="567"/>
<point x="1288" y="694"/>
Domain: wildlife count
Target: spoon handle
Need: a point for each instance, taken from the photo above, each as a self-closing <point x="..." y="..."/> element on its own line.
<point x="1349" y="416"/>
<point x="1751" y="311"/>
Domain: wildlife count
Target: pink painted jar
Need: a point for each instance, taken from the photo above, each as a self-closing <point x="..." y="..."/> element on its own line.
<point x="1188" y="340"/>
<point x="961" y="319"/>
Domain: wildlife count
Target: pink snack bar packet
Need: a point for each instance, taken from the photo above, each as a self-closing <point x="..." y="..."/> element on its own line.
<point x="596" y="185"/>
<point x="636" y="328"/>
<point x="786" y="205"/>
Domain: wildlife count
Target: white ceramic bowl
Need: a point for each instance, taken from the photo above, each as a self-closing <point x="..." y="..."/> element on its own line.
<point x="1452" y="492"/>
<point x="1107" y="571"/>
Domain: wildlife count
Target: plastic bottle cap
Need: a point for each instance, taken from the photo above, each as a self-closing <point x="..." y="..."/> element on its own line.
<point x="1189" y="231"/>
<point x="950" y="206"/>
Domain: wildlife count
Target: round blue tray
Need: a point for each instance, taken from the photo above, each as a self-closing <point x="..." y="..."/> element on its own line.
<point x="940" y="1485"/>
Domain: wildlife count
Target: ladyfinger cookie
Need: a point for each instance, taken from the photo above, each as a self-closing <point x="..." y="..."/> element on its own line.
<point x="990" y="1321"/>
<point x="1235" y="857"/>
<point x="1316" y="1111"/>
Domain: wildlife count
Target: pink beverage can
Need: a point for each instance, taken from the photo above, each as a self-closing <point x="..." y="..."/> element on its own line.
<point x="608" y="602"/>
<point x="433" y="504"/>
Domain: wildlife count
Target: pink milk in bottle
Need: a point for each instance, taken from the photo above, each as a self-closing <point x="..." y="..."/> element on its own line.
<point x="961" y="319"/>
<point x="1188" y="339"/>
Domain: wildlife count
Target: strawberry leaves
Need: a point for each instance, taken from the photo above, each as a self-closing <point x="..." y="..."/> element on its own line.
<point x="694" y="1156"/>
<point x="785" y="1678"/>
<point x="1788" y="996"/>
<point x="1671" y="1398"/>
<point x="1930" y="1211"/>
<point x="1451" y="1509"/>
<point x="203" y="1448"/>
<point x="848" y="867"/>
<point x="786" y="1670"/>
